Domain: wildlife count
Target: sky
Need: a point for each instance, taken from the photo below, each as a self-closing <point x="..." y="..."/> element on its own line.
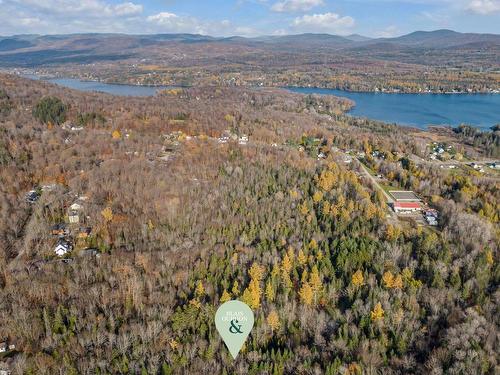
<point x="373" y="18"/>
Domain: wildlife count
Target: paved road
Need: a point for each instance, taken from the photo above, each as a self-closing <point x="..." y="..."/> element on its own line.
<point x="418" y="160"/>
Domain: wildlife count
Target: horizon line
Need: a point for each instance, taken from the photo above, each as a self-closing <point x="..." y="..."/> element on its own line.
<point x="242" y="36"/>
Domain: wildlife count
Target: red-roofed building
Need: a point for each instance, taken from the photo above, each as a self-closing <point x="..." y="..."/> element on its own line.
<point x="406" y="207"/>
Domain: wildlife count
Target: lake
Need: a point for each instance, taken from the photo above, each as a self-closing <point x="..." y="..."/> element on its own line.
<point x="108" y="88"/>
<point x="420" y="110"/>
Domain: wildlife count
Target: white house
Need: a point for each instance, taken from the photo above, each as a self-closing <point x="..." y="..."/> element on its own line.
<point x="74" y="212"/>
<point x="432" y="221"/>
<point x="73" y="217"/>
<point x="243" y="140"/>
<point x="62" y="248"/>
<point x="76" y="207"/>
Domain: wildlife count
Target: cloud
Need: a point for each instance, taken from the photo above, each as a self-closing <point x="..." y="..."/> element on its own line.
<point x="172" y="23"/>
<point x="167" y="22"/>
<point x="31" y="21"/>
<point x="82" y="16"/>
<point x="327" y="22"/>
<point x="388" y="32"/>
<point x="69" y="16"/>
<point x="127" y="9"/>
<point x="296" y="5"/>
<point x="83" y="8"/>
<point x="163" y="18"/>
<point x="484" y="7"/>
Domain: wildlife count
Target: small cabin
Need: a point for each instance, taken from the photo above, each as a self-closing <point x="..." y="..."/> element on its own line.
<point x="59" y="229"/>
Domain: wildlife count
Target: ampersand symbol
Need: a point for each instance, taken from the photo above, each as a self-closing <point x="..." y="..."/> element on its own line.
<point x="234" y="328"/>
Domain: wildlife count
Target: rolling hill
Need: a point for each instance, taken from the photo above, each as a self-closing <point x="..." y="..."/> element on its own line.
<point x="39" y="50"/>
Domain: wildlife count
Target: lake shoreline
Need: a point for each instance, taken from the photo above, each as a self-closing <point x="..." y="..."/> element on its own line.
<point x="481" y="111"/>
<point x="375" y="91"/>
<point x="417" y="110"/>
<point x="390" y="92"/>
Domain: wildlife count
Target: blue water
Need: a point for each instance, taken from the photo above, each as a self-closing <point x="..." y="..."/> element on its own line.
<point x="421" y="110"/>
<point x="109" y="88"/>
<point x="418" y="110"/>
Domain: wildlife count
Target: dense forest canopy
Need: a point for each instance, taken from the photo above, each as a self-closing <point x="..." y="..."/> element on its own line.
<point x="167" y="220"/>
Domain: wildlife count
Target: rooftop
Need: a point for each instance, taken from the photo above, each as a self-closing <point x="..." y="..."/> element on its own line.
<point x="409" y="205"/>
<point x="405" y="196"/>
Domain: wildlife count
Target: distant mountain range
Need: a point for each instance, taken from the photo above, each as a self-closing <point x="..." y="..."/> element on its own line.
<point x="36" y="50"/>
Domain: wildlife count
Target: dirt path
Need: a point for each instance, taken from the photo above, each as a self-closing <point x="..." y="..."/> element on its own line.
<point x="390" y="200"/>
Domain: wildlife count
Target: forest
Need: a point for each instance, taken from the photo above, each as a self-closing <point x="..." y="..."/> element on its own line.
<point x="421" y="62"/>
<point x="161" y="222"/>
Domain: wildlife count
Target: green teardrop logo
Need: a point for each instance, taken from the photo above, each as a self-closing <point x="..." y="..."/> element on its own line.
<point x="234" y="321"/>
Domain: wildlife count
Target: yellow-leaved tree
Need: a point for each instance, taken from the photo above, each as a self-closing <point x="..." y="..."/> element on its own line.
<point x="388" y="279"/>
<point x="489" y="257"/>
<point x="286" y="264"/>
<point x="377" y="313"/>
<point x="236" y="288"/>
<point x="398" y="282"/>
<point x="200" y="289"/>
<point x="255" y="293"/>
<point x="273" y="320"/>
<point x="313" y="244"/>
<point x="225" y="296"/>
<point x="107" y="214"/>
<point x="306" y="294"/>
<point x="286" y="267"/>
<point x="252" y="294"/>
<point x="315" y="281"/>
<point x="302" y="258"/>
<point x="326" y="208"/>
<point x="317" y="197"/>
<point x="256" y="272"/>
<point x="269" y="291"/>
<point x="327" y="180"/>
<point x="357" y="278"/>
